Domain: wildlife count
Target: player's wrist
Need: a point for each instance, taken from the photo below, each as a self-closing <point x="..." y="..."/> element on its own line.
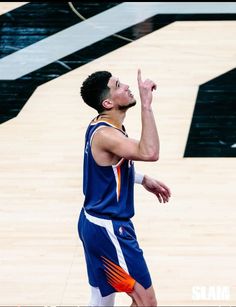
<point x="146" y="107"/>
<point x="138" y="178"/>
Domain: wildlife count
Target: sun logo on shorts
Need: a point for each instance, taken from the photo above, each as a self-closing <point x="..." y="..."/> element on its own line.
<point x="117" y="277"/>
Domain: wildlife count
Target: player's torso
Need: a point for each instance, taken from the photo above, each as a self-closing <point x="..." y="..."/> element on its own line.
<point x="108" y="189"/>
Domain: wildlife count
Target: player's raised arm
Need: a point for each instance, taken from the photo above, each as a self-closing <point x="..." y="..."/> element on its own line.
<point x="149" y="141"/>
<point x="144" y="149"/>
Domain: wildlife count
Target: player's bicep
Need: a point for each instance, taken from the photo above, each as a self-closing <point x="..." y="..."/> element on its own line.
<point x="115" y="142"/>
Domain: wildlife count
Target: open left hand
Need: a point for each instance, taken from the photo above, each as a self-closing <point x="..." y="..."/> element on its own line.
<point x="158" y="188"/>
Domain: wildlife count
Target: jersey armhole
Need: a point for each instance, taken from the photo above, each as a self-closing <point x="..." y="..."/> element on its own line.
<point x="94" y="132"/>
<point x="91" y="139"/>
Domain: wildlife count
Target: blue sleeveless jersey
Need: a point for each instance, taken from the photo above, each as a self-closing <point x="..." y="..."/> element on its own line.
<point x="108" y="190"/>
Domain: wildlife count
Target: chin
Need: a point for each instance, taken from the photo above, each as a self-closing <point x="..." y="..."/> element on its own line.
<point x="132" y="104"/>
<point x="128" y="106"/>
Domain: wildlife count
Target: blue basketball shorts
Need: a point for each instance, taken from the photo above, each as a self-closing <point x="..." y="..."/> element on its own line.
<point x="113" y="257"/>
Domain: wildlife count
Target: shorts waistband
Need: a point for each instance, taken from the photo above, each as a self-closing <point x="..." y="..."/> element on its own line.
<point x="97" y="220"/>
<point x="105" y="218"/>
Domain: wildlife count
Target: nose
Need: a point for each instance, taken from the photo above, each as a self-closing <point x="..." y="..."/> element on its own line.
<point x="124" y="86"/>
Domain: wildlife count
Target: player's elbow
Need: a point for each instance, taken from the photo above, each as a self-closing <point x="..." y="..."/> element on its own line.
<point x="150" y="153"/>
<point x="152" y="156"/>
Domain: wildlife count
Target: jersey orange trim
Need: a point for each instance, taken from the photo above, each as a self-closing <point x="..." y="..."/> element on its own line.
<point x="119" y="181"/>
<point x="110" y="122"/>
<point x="117" y="277"/>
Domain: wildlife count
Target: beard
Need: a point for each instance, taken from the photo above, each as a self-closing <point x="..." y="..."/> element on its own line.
<point x="130" y="105"/>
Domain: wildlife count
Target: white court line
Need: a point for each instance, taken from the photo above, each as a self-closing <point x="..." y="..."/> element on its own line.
<point x="94" y="29"/>
<point x="6" y="7"/>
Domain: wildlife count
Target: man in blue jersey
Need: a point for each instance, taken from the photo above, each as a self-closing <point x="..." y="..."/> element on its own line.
<point x="115" y="262"/>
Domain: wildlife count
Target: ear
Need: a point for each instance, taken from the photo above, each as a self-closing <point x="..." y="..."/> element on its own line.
<point x="107" y="104"/>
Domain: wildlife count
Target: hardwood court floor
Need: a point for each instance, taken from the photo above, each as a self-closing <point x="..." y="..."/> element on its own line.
<point x="189" y="242"/>
<point x="8" y="6"/>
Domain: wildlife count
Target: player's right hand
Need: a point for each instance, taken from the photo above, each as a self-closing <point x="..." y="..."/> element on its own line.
<point x="145" y="89"/>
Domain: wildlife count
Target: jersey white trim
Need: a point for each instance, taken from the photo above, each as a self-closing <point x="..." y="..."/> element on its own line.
<point x="118" y="163"/>
<point x="110" y="230"/>
<point x="96" y="130"/>
<point x="92" y="136"/>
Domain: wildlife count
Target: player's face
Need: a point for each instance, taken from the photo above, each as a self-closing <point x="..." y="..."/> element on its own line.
<point x="120" y="94"/>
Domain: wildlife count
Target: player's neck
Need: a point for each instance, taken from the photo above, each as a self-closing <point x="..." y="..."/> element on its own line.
<point x="114" y="117"/>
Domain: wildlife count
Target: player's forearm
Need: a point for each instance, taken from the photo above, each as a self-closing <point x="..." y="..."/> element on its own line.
<point x="149" y="144"/>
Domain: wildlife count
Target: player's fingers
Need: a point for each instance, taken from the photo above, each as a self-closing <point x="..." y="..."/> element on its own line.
<point x="162" y="196"/>
<point x="164" y="191"/>
<point x="165" y="197"/>
<point x="166" y="194"/>
<point x="168" y="191"/>
<point x="154" y="86"/>
<point x="159" y="197"/>
<point x="166" y="188"/>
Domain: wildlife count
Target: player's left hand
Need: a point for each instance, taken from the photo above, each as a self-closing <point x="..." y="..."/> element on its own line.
<point x="158" y="188"/>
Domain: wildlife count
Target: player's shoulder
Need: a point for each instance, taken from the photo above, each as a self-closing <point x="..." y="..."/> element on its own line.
<point x="108" y="131"/>
<point x="108" y="136"/>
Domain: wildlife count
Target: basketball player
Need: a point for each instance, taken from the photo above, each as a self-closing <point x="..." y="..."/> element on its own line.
<point x="115" y="262"/>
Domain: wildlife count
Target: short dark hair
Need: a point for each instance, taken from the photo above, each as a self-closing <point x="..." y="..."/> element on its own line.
<point x="94" y="89"/>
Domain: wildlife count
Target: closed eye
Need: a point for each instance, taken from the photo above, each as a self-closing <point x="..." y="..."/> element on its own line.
<point x="117" y="83"/>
